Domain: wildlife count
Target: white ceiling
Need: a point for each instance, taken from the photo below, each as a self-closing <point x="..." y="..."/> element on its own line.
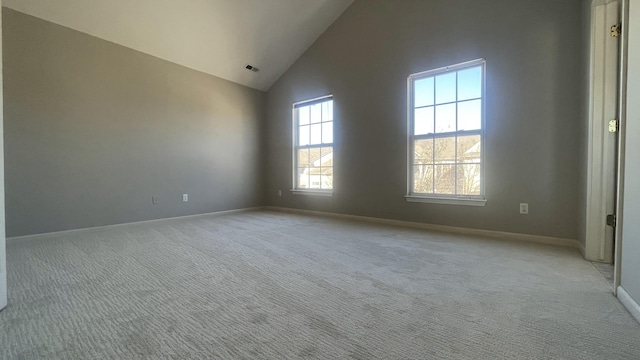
<point x="218" y="37"/>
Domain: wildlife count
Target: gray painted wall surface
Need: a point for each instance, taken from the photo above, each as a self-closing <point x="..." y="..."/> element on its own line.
<point x="93" y="130"/>
<point x="583" y="128"/>
<point x="3" y="248"/>
<point x="534" y="52"/>
<point x="630" y="226"/>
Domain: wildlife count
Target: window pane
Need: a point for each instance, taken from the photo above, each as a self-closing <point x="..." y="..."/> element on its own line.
<point x="303" y="115"/>
<point x="423" y="150"/>
<point x="470" y="84"/>
<point x="327" y="132"/>
<point x="327" y="178"/>
<point x="445" y="150"/>
<point x="314" y="127"/>
<point x="303" y="158"/>
<point x="314" y="157"/>
<point x="423" y="92"/>
<point x="446" y="118"/>
<point x="327" y="110"/>
<point x="316" y="134"/>
<point x="423" y="121"/>
<point x="470" y="115"/>
<point x="326" y="156"/>
<point x="303" y="135"/>
<point x="316" y="113"/>
<point x="468" y="179"/>
<point x="303" y="178"/>
<point x="469" y="149"/>
<point x="423" y="179"/>
<point x="315" y="178"/>
<point x="447" y="110"/>
<point x="446" y="88"/>
<point x="444" y="179"/>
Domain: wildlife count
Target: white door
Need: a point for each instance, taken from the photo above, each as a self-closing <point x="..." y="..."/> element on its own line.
<point x="602" y="150"/>
<point x="3" y="247"/>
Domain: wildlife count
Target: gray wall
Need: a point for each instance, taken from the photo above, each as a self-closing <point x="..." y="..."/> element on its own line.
<point x="582" y="129"/>
<point x="630" y="226"/>
<point x="93" y="130"/>
<point x="3" y="248"/>
<point x="534" y="52"/>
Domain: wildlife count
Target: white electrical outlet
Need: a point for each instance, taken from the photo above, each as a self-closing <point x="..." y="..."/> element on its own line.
<point x="185" y="197"/>
<point x="524" y="208"/>
<point x="279" y="192"/>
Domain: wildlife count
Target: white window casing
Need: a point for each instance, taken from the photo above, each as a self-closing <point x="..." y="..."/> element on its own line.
<point x="445" y="135"/>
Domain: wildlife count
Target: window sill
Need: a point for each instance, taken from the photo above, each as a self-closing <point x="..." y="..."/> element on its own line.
<point x="327" y="193"/>
<point x="446" y="200"/>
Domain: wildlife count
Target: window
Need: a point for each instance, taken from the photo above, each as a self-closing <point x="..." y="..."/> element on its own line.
<point x="313" y="146"/>
<point x="445" y="125"/>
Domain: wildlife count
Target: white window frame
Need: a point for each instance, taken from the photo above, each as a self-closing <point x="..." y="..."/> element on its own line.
<point x="296" y="190"/>
<point x="450" y="199"/>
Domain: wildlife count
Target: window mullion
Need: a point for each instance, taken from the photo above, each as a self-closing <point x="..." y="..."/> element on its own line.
<point x="455" y="146"/>
<point x="448" y="103"/>
<point x="447" y="134"/>
<point x="310" y="146"/>
<point x="433" y="142"/>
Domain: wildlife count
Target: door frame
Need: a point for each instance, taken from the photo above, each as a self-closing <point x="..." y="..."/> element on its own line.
<point x="622" y="111"/>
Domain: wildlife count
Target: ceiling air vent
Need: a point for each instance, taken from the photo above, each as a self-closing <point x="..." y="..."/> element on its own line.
<point x="251" y="68"/>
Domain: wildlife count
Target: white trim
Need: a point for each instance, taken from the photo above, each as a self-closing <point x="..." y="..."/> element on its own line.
<point x="441" y="228"/>
<point x="215" y="213"/>
<point x="581" y="248"/>
<point x="617" y="255"/>
<point x="629" y="303"/>
<point x="311" y="193"/>
<point x="445" y="200"/>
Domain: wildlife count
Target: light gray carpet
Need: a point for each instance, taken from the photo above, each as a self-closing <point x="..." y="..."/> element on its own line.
<point x="606" y="270"/>
<point x="268" y="285"/>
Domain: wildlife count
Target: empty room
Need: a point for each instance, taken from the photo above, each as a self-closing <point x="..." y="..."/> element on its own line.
<point x="320" y="179"/>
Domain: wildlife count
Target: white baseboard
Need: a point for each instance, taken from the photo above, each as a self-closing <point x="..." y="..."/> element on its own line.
<point x="442" y="228"/>
<point x="582" y="249"/>
<point x="216" y="213"/>
<point x="629" y="303"/>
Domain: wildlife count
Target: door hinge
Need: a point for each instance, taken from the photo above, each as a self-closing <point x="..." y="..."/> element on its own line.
<point x="614" y="126"/>
<point x="611" y="220"/>
<point x="616" y="30"/>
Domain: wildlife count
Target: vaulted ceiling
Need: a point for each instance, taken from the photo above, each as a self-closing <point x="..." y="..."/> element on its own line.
<point x="218" y="37"/>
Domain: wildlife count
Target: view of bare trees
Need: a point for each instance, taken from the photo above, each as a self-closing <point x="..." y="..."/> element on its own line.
<point x="438" y="161"/>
